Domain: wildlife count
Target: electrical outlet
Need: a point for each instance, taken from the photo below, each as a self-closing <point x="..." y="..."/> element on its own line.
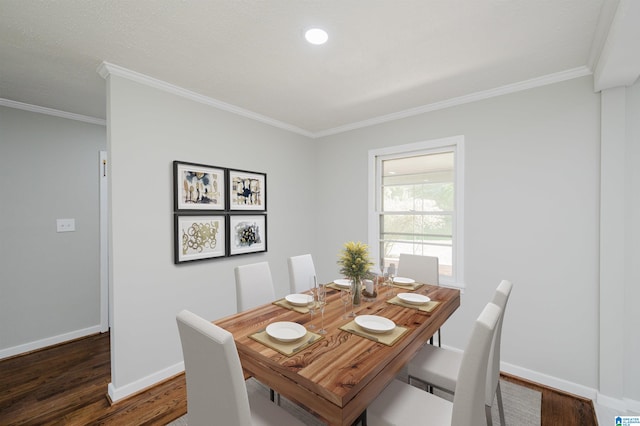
<point x="66" y="225"/>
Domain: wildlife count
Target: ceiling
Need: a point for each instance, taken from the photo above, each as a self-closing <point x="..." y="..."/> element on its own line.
<point x="383" y="57"/>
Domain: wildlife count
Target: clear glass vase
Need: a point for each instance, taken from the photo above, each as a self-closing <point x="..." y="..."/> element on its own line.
<point x="356" y="291"/>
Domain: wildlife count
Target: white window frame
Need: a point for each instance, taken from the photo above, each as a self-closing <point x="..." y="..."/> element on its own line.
<point x="453" y="143"/>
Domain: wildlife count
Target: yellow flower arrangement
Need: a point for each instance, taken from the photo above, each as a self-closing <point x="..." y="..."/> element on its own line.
<point x="354" y="264"/>
<point x="354" y="261"/>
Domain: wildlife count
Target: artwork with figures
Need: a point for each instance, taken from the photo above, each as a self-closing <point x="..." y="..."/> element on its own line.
<point x="247" y="234"/>
<point x="199" y="237"/>
<point x="247" y="190"/>
<point x="198" y="187"/>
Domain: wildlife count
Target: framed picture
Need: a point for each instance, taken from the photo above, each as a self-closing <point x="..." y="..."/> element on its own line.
<point x="247" y="234"/>
<point x="199" y="237"/>
<point x="247" y="190"/>
<point x="198" y="187"/>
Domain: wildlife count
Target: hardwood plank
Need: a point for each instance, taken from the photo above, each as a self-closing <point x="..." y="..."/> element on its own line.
<point x="67" y="384"/>
<point x="559" y="407"/>
<point x="31" y="393"/>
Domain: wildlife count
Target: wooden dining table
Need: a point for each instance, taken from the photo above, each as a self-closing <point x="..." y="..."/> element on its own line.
<point x="340" y="374"/>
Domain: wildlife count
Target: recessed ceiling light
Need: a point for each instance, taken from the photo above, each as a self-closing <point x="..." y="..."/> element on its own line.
<point x="316" y="36"/>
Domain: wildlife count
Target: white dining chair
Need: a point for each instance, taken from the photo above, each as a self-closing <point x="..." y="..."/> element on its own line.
<point x="216" y="390"/>
<point x="439" y="367"/>
<point x="403" y="404"/>
<point x="423" y="269"/>
<point x="254" y="285"/>
<point x="301" y="273"/>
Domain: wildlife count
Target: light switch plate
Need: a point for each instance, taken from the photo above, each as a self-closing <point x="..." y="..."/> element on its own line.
<point x="66" y="225"/>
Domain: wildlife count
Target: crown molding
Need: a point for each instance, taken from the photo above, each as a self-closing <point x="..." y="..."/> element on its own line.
<point x="50" y="111"/>
<point x="473" y="97"/>
<point x="607" y="13"/>
<point x="105" y="69"/>
<point x="618" y="63"/>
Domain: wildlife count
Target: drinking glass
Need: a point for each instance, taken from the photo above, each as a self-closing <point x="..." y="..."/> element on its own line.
<point x="311" y="304"/>
<point x="352" y="294"/>
<point x="345" y="297"/>
<point x="322" y="302"/>
<point x="391" y="289"/>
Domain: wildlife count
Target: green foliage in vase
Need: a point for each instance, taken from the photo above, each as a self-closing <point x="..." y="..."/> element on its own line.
<point x="354" y="260"/>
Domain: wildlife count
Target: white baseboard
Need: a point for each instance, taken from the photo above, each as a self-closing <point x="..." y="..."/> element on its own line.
<point x="633" y="406"/>
<point x="116" y="394"/>
<point x="49" y="341"/>
<point x="624" y="405"/>
<point x="551" y="381"/>
<point x="616" y="404"/>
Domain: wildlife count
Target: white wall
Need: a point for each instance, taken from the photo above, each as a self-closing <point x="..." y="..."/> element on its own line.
<point x="531" y="216"/>
<point x="631" y="313"/>
<point x="49" y="281"/>
<point x="149" y="129"/>
<point x="532" y="192"/>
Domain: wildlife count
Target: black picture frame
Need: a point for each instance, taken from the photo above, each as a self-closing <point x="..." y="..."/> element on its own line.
<point x="199" y="237"/>
<point x="246" y="190"/>
<point x="246" y="234"/>
<point x="198" y="187"/>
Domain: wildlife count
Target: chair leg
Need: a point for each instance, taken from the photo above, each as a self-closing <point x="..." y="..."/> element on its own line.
<point x="439" y="339"/>
<point x="274" y="397"/>
<point x="487" y="411"/>
<point x="500" y="406"/>
<point x="427" y="386"/>
<point x="361" y="420"/>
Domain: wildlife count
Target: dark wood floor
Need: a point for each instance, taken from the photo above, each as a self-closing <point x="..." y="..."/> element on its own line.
<point x="67" y="385"/>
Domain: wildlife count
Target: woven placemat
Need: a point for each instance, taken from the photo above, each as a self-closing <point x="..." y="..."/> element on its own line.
<point x="412" y="286"/>
<point x="385" y="338"/>
<point x="335" y="286"/>
<point x="287" y="348"/>
<point x="284" y="304"/>
<point x="427" y="307"/>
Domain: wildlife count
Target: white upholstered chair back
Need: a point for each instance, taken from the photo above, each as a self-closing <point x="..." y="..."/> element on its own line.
<point x="301" y="273"/>
<point x="254" y="285"/>
<point x="216" y="391"/>
<point x="500" y="298"/>
<point x="469" y="399"/>
<point x="423" y="269"/>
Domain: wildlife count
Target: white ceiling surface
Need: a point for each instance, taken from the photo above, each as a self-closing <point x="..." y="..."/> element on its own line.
<point x="383" y="56"/>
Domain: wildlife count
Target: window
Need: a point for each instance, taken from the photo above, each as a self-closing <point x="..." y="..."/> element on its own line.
<point x="416" y="204"/>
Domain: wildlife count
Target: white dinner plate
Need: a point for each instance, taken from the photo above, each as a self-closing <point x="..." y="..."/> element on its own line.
<point x="342" y="283"/>
<point x="403" y="281"/>
<point x="413" y="298"/>
<point x="286" y="331"/>
<point x="375" y="324"/>
<point x="298" y="299"/>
